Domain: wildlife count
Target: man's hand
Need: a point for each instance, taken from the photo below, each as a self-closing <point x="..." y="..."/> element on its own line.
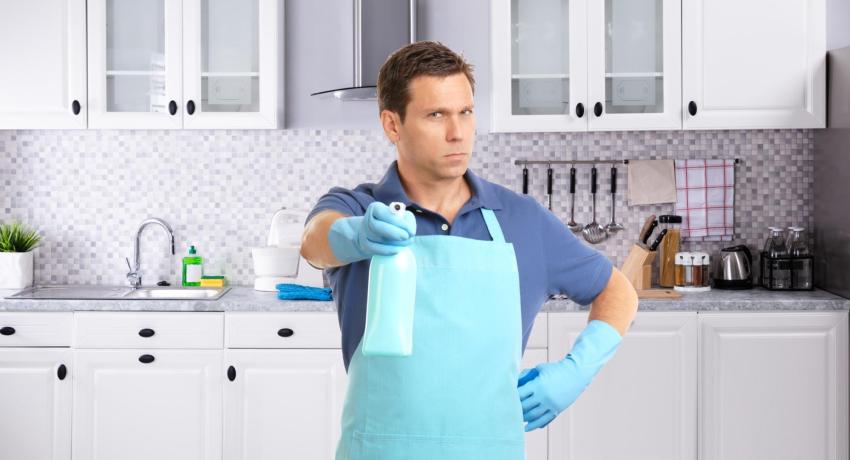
<point x="378" y="232"/>
<point x="557" y="385"/>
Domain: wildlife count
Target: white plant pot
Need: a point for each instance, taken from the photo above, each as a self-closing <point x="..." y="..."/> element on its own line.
<point x="15" y="270"/>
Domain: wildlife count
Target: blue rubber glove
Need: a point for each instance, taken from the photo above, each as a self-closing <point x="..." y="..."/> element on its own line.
<point x="378" y="232"/>
<point x="557" y="385"/>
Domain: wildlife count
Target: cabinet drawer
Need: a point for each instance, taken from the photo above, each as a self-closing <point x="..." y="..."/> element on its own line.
<point x="35" y="329"/>
<point x="282" y="330"/>
<point x="148" y="330"/>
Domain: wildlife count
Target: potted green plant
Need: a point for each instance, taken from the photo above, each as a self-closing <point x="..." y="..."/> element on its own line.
<point x="16" y="258"/>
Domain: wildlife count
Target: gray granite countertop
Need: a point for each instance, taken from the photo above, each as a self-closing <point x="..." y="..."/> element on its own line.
<point x="243" y="298"/>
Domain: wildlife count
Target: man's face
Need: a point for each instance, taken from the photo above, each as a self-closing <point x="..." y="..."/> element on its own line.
<point x="438" y="131"/>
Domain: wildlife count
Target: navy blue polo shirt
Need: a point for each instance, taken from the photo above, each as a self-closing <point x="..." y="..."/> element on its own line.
<point x="550" y="258"/>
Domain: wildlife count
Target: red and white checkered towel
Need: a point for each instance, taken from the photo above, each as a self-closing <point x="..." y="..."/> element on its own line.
<point x="705" y="198"/>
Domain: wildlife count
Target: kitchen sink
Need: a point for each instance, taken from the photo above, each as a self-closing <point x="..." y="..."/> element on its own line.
<point x="96" y="292"/>
<point x="176" y="293"/>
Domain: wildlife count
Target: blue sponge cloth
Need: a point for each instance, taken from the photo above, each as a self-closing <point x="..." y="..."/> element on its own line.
<point x="298" y="292"/>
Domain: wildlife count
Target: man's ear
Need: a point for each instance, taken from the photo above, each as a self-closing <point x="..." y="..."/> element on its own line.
<point x="391" y="123"/>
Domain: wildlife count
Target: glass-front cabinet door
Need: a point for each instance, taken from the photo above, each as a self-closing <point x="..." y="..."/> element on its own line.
<point x="230" y="63"/>
<point x="135" y="63"/>
<point x="634" y="64"/>
<point x="539" y="59"/>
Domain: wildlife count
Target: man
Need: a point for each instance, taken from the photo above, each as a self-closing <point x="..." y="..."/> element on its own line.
<point x="487" y="259"/>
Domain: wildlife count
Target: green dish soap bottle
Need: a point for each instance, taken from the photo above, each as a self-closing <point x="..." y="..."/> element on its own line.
<point x="193" y="268"/>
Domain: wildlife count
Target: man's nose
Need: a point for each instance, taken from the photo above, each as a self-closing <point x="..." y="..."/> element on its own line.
<point x="454" y="131"/>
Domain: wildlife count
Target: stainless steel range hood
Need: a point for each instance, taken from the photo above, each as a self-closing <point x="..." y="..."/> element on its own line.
<point x="380" y="27"/>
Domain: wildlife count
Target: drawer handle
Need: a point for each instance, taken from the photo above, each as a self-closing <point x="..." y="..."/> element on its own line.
<point x="147" y="359"/>
<point x="62" y="372"/>
<point x="7" y="330"/>
<point x="146" y="332"/>
<point x="285" y="332"/>
<point x="231" y="373"/>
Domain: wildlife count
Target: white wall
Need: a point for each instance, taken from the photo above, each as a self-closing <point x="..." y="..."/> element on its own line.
<point x="837" y="24"/>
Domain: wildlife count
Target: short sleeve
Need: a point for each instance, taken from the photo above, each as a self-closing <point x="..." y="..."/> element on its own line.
<point x="349" y="202"/>
<point x="573" y="268"/>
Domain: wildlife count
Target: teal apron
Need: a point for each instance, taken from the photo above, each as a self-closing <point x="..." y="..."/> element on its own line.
<point x="456" y="396"/>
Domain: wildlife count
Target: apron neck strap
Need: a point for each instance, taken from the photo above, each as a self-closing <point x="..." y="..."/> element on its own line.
<point x="493" y="225"/>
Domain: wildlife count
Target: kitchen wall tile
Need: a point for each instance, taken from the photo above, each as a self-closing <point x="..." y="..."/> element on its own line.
<point x="88" y="190"/>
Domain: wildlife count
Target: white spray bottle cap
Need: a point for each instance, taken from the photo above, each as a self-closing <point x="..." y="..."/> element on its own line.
<point x="398" y="208"/>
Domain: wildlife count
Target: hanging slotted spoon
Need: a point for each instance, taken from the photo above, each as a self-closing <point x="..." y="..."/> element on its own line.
<point x="575" y="227"/>
<point x="613" y="226"/>
<point x="593" y="232"/>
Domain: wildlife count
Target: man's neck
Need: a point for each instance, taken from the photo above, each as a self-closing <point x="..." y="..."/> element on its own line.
<point x="443" y="196"/>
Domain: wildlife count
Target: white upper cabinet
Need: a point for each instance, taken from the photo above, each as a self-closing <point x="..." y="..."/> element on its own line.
<point x="754" y="64"/>
<point x="230" y="63"/>
<point x="43" y="56"/>
<point x="634" y="64"/>
<point x="539" y="57"/>
<point x="134" y="63"/>
<point x="156" y="64"/>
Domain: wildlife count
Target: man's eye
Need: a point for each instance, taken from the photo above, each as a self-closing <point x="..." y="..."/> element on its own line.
<point x="467" y="112"/>
<point x="435" y="114"/>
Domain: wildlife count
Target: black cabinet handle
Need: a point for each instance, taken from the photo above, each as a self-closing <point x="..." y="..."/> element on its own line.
<point x="285" y="332"/>
<point x="147" y="359"/>
<point x="147" y="332"/>
<point x="692" y="108"/>
<point x="172" y="107"/>
<point x="75" y="107"/>
<point x="190" y="107"/>
<point x="579" y="110"/>
<point x="597" y="109"/>
<point x="62" y="372"/>
<point x="231" y="373"/>
<point x="7" y="330"/>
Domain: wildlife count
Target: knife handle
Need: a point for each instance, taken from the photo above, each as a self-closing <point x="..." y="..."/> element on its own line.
<point x="573" y="180"/>
<point x="649" y="231"/>
<point x="657" y="241"/>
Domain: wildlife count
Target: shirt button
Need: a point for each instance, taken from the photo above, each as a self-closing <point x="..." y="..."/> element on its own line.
<point x="445" y="227"/>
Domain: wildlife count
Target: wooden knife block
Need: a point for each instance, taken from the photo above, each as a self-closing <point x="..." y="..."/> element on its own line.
<point x="638" y="267"/>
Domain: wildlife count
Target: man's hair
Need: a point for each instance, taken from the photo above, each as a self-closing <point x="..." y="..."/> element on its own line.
<point x="421" y="58"/>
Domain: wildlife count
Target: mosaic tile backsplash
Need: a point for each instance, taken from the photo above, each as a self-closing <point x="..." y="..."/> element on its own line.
<point x="87" y="191"/>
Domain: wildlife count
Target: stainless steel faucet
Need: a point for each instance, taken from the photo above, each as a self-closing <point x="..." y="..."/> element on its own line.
<point x="133" y="276"/>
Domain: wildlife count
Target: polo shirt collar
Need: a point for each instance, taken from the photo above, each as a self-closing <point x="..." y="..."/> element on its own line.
<point x="389" y="189"/>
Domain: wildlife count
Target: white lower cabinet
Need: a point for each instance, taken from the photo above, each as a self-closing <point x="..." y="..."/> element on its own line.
<point x="642" y="404"/>
<point x="143" y="404"/>
<point x="773" y="386"/>
<point x="283" y="404"/>
<point x="35" y="403"/>
<point x="537" y="441"/>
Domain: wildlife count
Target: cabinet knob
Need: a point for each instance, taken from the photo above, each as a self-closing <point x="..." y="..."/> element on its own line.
<point x="172" y="107"/>
<point x="146" y="332"/>
<point x="75" y="107"/>
<point x="285" y="332"/>
<point x="62" y="372"/>
<point x="579" y="110"/>
<point x="190" y="107"/>
<point x="146" y="359"/>
<point x="597" y="109"/>
<point x="7" y="330"/>
<point x="692" y="108"/>
<point x="231" y="373"/>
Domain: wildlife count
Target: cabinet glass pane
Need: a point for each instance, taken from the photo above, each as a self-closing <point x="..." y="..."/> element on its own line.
<point x="540" y="57"/>
<point x="230" y="56"/>
<point x="634" y="58"/>
<point x="135" y="56"/>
